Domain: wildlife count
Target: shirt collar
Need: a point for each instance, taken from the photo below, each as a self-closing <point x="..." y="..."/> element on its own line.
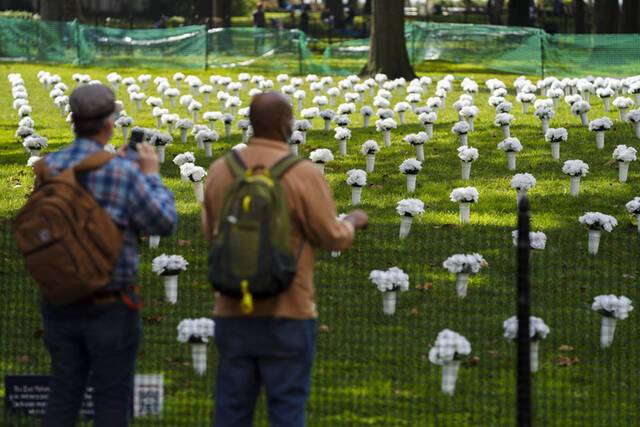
<point x="269" y="143"/>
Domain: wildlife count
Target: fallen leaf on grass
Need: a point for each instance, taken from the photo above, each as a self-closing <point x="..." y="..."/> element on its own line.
<point x="25" y="358"/>
<point x="493" y="353"/>
<point x="38" y="333"/>
<point x="184" y="242"/>
<point x="565" y="347"/>
<point x="565" y="361"/>
<point x="323" y="329"/>
<point x="425" y="287"/>
<point x="472" y="361"/>
<point x="414" y="311"/>
<point x="153" y="319"/>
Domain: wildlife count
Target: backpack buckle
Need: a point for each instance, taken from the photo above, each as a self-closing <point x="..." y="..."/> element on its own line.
<point x="247" y="299"/>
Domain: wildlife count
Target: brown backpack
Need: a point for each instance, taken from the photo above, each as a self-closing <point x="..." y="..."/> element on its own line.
<point x="69" y="242"/>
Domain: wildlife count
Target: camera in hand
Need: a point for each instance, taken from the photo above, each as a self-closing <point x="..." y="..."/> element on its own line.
<point x="137" y="136"/>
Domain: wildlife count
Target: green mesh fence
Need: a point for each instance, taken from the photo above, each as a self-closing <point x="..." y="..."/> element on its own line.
<point x="520" y="50"/>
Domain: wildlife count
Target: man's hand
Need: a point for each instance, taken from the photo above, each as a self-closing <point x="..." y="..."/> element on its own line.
<point x="148" y="159"/>
<point x="358" y="218"/>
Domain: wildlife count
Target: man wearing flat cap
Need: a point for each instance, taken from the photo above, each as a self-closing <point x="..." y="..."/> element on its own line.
<point x="94" y="341"/>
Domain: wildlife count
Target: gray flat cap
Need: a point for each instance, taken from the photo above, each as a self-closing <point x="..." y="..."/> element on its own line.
<point x="92" y="102"/>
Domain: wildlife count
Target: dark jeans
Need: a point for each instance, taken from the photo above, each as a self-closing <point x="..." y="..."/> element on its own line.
<point x="276" y="353"/>
<point x="97" y="341"/>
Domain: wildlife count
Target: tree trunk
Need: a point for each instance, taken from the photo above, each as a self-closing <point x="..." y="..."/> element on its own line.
<point x="519" y="13"/>
<point x="52" y="10"/>
<point x="630" y="18"/>
<point x="388" y="49"/>
<point x="578" y="14"/>
<point x="607" y="15"/>
<point x="337" y="10"/>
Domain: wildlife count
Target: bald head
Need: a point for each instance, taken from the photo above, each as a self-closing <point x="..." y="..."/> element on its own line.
<point x="271" y="116"/>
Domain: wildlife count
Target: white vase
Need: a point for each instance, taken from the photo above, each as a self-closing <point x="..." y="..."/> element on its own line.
<point x="511" y="160"/>
<point x="371" y="161"/>
<point x="327" y="125"/>
<point x="171" y="288"/>
<point x="366" y="121"/>
<point x="585" y="119"/>
<point x="556" y="102"/>
<point x="227" y="130"/>
<point x="401" y="117"/>
<point x="525" y="107"/>
<point x="450" y="372"/>
<point x="389" y="302"/>
<point x="623" y="171"/>
<point x="411" y="182"/>
<point x="405" y="226"/>
<point x="294" y="149"/>
<point x="574" y="185"/>
<point x="534" y="350"/>
<point x="387" y="138"/>
<point x="429" y="129"/>
<point x="607" y="104"/>
<point x="199" y="357"/>
<point x="545" y="126"/>
<point x="636" y="127"/>
<point x="466" y="170"/>
<point x="356" y="194"/>
<point x="160" y="150"/>
<point x="623" y="114"/>
<point x="172" y="101"/>
<point x="465" y="212"/>
<point x="462" y="284"/>
<point x="34" y="151"/>
<point x="198" y="191"/>
<point x="464" y="139"/>
<point x="158" y="122"/>
<point x="195" y="116"/>
<point x="469" y="120"/>
<point x="208" y="152"/>
<point x="420" y="152"/>
<point x="336" y="254"/>
<point x="319" y="166"/>
<point x="342" y="147"/>
<point x="607" y="331"/>
<point x="636" y="97"/>
<point x="304" y="136"/>
<point x="600" y="139"/>
<point x="506" y="131"/>
<point x="638" y="222"/>
<point x="555" y="150"/>
<point x="138" y="105"/>
<point x="154" y="242"/>
<point x="125" y="133"/>
<point x="594" y="241"/>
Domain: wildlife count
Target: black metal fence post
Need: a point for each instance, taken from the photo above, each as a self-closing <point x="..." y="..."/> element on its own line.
<point x="524" y="400"/>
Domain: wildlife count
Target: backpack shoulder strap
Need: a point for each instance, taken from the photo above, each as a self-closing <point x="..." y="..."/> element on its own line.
<point x="94" y="161"/>
<point x="283" y="165"/>
<point x="236" y="164"/>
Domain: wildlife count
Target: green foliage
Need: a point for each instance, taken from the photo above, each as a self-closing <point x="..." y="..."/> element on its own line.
<point x="20" y="14"/>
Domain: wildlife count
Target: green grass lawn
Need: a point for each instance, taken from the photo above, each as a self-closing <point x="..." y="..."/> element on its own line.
<point x="371" y="369"/>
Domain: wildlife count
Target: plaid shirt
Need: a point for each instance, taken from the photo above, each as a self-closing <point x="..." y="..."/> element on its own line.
<point x="137" y="203"/>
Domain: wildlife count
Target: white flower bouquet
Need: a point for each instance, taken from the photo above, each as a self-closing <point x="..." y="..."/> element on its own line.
<point x="633" y="207"/>
<point x="212" y="117"/>
<point x="624" y="156"/>
<point x="522" y="183"/>
<point x="356" y="178"/>
<point x="623" y="104"/>
<point x="408" y="209"/>
<point x="417" y="140"/>
<point x="327" y="116"/>
<point x="538" y="331"/>
<point x="467" y="156"/>
<point x="605" y="93"/>
<point x="545" y="114"/>
<point x="389" y="283"/>
<point x="24" y="131"/>
<point x="435" y="103"/>
<point x="33" y="144"/>
<point x="411" y="167"/>
<point x="510" y="146"/>
<point x="555" y="136"/>
<point x="184" y="125"/>
<point x="537" y="240"/>
<point x="366" y="112"/>
<point x="576" y="169"/>
<point x="295" y="140"/>
<point x="599" y="126"/>
<point x="463" y="265"/>
<point x="205" y="139"/>
<point x="342" y="135"/>
<point x="302" y="126"/>
<point x="504" y="107"/>
<point x="581" y="108"/>
<point x="169" y="266"/>
<point x="428" y="120"/>
<point x="462" y="130"/>
<point x="401" y="108"/>
<point x="197" y="333"/>
<point x="181" y="159"/>
<point x="503" y="120"/>
<point x="172" y="94"/>
<point x="194" y="174"/>
<point x="525" y="99"/>
<point x="596" y="222"/>
<point x="369" y="149"/>
<point x="633" y="117"/>
<point x="194" y="108"/>
<point x="385" y="126"/>
<point x="464" y="196"/>
<point x="227" y="120"/>
<point x="612" y="309"/>
<point x="321" y="157"/>
<point x="469" y="114"/>
<point x="244" y="125"/>
<point x="448" y="351"/>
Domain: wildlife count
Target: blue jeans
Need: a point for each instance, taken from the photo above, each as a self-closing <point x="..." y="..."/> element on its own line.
<point x="276" y="353"/>
<point x="97" y="341"/>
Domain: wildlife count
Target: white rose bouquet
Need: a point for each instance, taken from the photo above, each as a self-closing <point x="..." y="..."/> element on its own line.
<point x="303" y="126"/>
<point x="401" y="108"/>
<point x="385" y="126"/>
<point x="545" y="114"/>
<point x="623" y="104"/>
<point x="537" y="240"/>
<point x="633" y="117"/>
<point x="525" y="99"/>
<point x="33" y="144"/>
<point x="428" y="120"/>
<point x="580" y="109"/>
<point x="462" y="129"/>
<point x="417" y="140"/>
<point x="357" y="179"/>
<point x="511" y="146"/>
<point x="469" y="114"/>
<point x="522" y="183"/>
<point x="624" y="156"/>
<point x="183" y="158"/>
<point x="596" y="222"/>
<point x="206" y="138"/>
<point x="389" y="283"/>
<point x="467" y="156"/>
<point x="448" y="351"/>
<point x="197" y="333"/>
<point x="605" y="93"/>
<point x="184" y="125"/>
<point x="463" y="265"/>
<point x="538" y="331"/>
<point x="295" y="140"/>
<point x="327" y="116"/>
<point x="169" y="266"/>
<point x="576" y="169"/>
<point x="464" y="196"/>
<point x="369" y="149"/>
<point x="633" y="207"/>
<point x="612" y="309"/>
<point x="408" y="209"/>
<point x="194" y="174"/>
<point x="503" y="120"/>
<point x="599" y="126"/>
<point x="555" y="136"/>
<point x="411" y="167"/>
<point x="343" y="135"/>
<point x="321" y="157"/>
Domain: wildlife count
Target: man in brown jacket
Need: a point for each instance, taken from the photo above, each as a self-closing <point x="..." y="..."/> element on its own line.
<point x="274" y="346"/>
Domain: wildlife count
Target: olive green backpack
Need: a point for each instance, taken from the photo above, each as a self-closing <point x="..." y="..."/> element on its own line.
<point x="251" y="256"/>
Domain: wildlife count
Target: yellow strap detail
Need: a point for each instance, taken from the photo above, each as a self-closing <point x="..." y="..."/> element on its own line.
<point x="246" y="203"/>
<point x="262" y="178"/>
<point x="247" y="299"/>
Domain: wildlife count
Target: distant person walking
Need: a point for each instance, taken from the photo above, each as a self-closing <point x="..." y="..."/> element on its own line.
<point x="259" y="23"/>
<point x="93" y="336"/>
<point x="304" y="19"/>
<point x="267" y="341"/>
